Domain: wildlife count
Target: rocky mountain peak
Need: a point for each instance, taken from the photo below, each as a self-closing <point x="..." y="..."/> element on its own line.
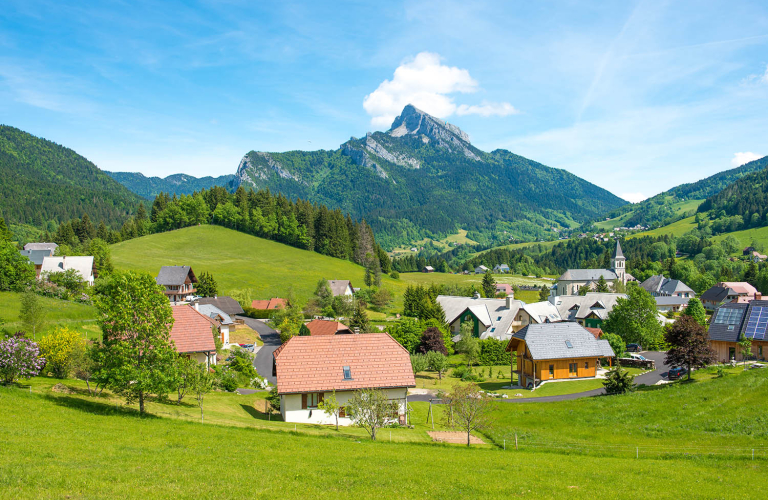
<point x="412" y="120"/>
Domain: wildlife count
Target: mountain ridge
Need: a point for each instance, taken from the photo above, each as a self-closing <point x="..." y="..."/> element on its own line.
<point x="178" y="184"/>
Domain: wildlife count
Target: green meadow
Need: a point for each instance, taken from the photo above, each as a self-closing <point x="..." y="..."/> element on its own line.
<point x="241" y="262"/>
<point x="59" y="313"/>
<point x="690" y="440"/>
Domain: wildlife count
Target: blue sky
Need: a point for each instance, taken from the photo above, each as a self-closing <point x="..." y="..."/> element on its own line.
<point x="634" y="96"/>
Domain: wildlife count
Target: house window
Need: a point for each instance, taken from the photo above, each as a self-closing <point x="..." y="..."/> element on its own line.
<point x="568" y="344"/>
<point x="343" y="412"/>
<point x="498" y="319"/>
<point x="312" y="399"/>
<point x="347" y="373"/>
<point x="760" y="350"/>
<point x="586" y="365"/>
<point x="573" y="369"/>
<point x="551" y="371"/>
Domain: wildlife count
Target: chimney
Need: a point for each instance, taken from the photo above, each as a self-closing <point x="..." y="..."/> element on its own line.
<point x="196" y="306"/>
<point x="510" y="298"/>
<point x="758" y="296"/>
<point x="476" y="295"/>
<point x="357" y="330"/>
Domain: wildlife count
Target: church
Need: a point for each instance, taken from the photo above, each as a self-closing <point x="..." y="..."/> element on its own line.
<point x="574" y="279"/>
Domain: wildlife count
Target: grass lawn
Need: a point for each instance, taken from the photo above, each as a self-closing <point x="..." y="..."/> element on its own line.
<point x="58" y="446"/>
<point x="470" y="279"/>
<point x="443" y="245"/>
<point x="245" y="335"/>
<point x="676" y="229"/>
<point x="79" y="317"/>
<point x="239" y="261"/>
<point x="747" y="236"/>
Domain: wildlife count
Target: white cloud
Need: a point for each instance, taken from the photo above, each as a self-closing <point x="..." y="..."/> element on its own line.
<point x="487" y="109"/>
<point x="740" y="159"/>
<point x="427" y="84"/>
<point x="633" y="197"/>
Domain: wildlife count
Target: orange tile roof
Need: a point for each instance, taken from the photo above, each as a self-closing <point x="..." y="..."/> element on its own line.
<point x="325" y="327"/>
<point x="597" y="332"/>
<point x="315" y="364"/>
<point x="191" y="330"/>
<point x="273" y="303"/>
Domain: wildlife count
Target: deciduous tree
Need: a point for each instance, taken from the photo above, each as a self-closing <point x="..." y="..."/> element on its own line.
<point x="432" y="340"/>
<point x="469" y="345"/>
<point x="32" y="312"/>
<point x="696" y="310"/>
<point x="331" y="407"/>
<point x="136" y="320"/>
<point x="745" y="346"/>
<point x="635" y="318"/>
<point x="437" y="362"/>
<point x="471" y="408"/>
<point x="61" y="350"/>
<point x="690" y="345"/>
<point x="370" y="409"/>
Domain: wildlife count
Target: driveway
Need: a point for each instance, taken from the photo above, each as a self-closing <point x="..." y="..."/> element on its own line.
<point x="650" y="378"/>
<point x="263" y="360"/>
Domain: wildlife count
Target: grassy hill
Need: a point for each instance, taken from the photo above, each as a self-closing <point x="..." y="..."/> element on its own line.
<point x="43" y="181"/>
<point x="58" y="445"/>
<point x="79" y="317"/>
<point x="240" y="262"/>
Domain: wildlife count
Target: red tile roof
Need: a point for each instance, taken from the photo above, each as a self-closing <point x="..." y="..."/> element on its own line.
<point x="191" y="330"/>
<point x="314" y="364"/>
<point x="597" y="332"/>
<point x="273" y="303"/>
<point x="325" y="327"/>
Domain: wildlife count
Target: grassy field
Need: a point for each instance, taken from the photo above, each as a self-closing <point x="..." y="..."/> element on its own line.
<point x="443" y="245"/>
<point x="239" y="261"/>
<point x="74" y="446"/>
<point x="676" y="228"/>
<point x="747" y="236"/>
<point x="58" y="313"/>
<point x="679" y="208"/>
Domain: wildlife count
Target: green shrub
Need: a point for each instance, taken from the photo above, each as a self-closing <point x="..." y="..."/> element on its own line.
<point x="257" y="313"/>
<point x="619" y="381"/>
<point x="492" y="353"/>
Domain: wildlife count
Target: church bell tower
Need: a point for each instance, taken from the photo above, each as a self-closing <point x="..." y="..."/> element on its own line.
<point x="619" y="264"/>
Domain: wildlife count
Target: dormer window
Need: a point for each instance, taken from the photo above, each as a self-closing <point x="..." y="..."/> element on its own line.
<point x="347" y="373"/>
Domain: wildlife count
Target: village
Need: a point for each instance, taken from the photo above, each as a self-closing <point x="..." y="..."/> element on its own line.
<point x="339" y="357"/>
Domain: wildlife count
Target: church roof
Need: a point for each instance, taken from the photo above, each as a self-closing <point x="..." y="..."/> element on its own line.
<point x="619" y="253"/>
<point x="588" y="275"/>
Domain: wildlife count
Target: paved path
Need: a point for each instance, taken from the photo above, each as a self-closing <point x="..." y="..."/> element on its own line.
<point x="263" y="360"/>
<point x="660" y="373"/>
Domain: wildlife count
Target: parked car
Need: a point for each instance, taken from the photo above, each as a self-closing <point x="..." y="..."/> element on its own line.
<point x="676" y="372"/>
<point x="637" y="356"/>
<point x="634" y="348"/>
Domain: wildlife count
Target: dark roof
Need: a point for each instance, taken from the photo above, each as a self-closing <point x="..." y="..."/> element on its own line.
<point x="226" y="304"/>
<point x="748" y="317"/>
<point x="715" y="294"/>
<point x="37" y="256"/>
<point x="619" y="253"/>
<point x="726" y="326"/>
<point x="664" y="286"/>
<point x="175" y="275"/>
<point x="588" y="275"/>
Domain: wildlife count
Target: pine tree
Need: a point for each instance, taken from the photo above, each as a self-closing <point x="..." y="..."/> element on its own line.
<point x="360" y="319"/>
<point x="489" y="284"/>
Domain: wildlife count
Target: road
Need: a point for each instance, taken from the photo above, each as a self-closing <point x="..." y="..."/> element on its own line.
<point x="650" y="378"/>
<point x="263" y="360"/>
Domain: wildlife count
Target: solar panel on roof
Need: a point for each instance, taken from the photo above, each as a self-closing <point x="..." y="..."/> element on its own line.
<point x="728" y="316"/>
<point x="757" y="323"/>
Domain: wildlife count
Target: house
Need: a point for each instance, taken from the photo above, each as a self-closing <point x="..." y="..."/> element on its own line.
<point x="311" y="368"/>
<point x="192" y="336"/>
<point x="572" y="280"/>
<point x="179" y="282"/>
<point x="505" y="288"/>
<point x="745" y="252"/>
<point x="501" y="269"/>
<point x="223" y="320"/>
<point x="36" y="256"/>
<point x="490" y="318"/>
<point x="666" y="304"/>
<point x="268" y="305"/>
<point x="727" y="291"/>
<point x="319" y="327"/>
<point x="556" y="351"/>
<point x="42" y="246"/>
<point x="83" y="265"/>
<point x="226" y="304"/>
<point x="757" y="257"/>
<point x="659" y="286"/>
<point x="732" y="322"/>
<point x="428" y="269"/>
<point x="481" y="269"/>
<point x="597" y="332"/>
<point x="341" y="287"/>
<point x="538" y="312"/>
<point x="589" y="310"/>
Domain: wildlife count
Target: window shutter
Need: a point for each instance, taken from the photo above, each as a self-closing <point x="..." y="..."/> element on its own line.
<point x="320" y="398"/>
<point x="303" y="401"/>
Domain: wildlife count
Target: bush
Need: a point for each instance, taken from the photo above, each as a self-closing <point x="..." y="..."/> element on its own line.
<point x="432" y="341"/>
<point x="256" y="313"/>
<point x="466" y="374"/>
<point x="19" y="358"/>
<point x="394" y="275"/>
<point x="493" y="352"/>
<point x="619" y="381"/>
<point x="228" y="380"/>
<point x="61" y="349"/>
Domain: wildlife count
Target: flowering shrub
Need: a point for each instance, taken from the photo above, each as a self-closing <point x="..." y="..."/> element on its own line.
<point x="61" y="349"/>
<point x="19" y="358"/>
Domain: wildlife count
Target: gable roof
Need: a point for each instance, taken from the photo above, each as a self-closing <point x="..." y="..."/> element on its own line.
<point x="339" y="287"/>
<point x="81" y="264"/>
<point x="273" y="303"/>
<point x="597" y="332"/>
<point x="665" y="300"/>
<point x="665" y="286"/>
<point x="715" y="294"/>
<point x="315" y="363"/>
<point x="739" y="287"/>
<point x="504" y="287"/>
<point x="575" y="307"/>
<point x="41" y="246"/>
<point x="326" y="327"/>
<point x="36" y="256"/>
<point x="494" y="313"/>
<point x="226" y="304"/>
<point x="175" y="275"/>
<point x="726" y="322"/>
<point x="542" y="312"/>
<point x="214" y="312"/>
<point x="588" y="275"/>
<point x="191" y="331"/>
<point x="550" y="341"/>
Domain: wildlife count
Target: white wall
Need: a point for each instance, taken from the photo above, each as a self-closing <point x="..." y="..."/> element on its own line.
<point x="290" y="407"/>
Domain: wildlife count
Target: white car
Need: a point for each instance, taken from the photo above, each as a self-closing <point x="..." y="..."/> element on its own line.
<point x="639" y="357"/>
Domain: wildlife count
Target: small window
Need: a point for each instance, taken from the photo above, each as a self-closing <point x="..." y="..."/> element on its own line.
<point x="586" y="365"/>
<point x="730" y="327"/>
<point x="568" y="344"/>
<point x="313" y="398"/>
<point x="347" y="373"/>
<point x="551" y="371"/>
<point x="498" y="319"/>
<point x="493" y="329"/>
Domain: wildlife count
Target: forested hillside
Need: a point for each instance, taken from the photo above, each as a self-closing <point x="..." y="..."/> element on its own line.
<point x="665" y="208"/>
<point x="423" y="178"/>
<point x="149" y="187"/>
<point x="43" y="182"/>
<point x="741" y="205"/>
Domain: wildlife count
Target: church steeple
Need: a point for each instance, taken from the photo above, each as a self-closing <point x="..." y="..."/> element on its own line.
<point x="619" y="263"/>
